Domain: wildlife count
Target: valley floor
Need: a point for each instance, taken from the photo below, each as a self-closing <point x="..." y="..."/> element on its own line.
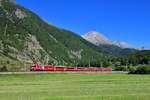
<point x="75" y="86"/>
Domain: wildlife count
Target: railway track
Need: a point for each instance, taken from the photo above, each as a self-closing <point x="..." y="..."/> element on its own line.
<point x="55" y="72"/>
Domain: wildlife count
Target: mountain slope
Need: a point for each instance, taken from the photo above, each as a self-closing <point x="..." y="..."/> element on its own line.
<point x="115" y="48"/>
<point x="140" y="57"/>
<point x="98" y="38"/>
<point x="122" y="44"/>
<point x="27" y="39"/>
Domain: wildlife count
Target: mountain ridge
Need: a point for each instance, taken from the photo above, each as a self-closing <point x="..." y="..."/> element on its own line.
<point x="98" y="38"/>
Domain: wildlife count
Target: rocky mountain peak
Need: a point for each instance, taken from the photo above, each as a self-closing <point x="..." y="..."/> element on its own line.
<point x="96" y="38"/>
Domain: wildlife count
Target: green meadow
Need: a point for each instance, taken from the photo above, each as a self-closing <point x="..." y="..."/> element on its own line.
<point x="75" y="86"/>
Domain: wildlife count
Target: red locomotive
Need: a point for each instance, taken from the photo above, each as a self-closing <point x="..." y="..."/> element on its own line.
<point x="63" y="68"/>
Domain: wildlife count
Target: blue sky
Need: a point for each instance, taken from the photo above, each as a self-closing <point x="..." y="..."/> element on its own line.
<point x="125" y="20"/>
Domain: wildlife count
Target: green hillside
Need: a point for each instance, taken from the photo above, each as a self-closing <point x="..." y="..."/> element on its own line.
<point x="140" y="57"/>
<point x="117" y="51"/>
<point x="26" y="38"/>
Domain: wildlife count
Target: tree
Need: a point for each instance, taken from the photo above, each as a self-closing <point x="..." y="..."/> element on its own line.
<point x="4" y="69"/>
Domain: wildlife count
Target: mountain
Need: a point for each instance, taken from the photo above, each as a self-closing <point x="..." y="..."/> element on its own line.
<point x="98" y="38"/>
<point x="115" y="48"/>
<point x="122" y="44"/>
<point x="25" y="39"/>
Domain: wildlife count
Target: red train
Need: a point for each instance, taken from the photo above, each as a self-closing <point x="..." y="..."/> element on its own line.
<point x="63" y="68"/>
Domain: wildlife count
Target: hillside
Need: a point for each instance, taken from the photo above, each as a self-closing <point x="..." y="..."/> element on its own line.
<point x="140" y="57"/>
<point x="26" y="39"/>
<point x="98" y="39"/>
<point x="115" y="48"/>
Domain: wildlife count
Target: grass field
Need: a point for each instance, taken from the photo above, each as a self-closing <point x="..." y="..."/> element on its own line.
<point x="75" y="86"/>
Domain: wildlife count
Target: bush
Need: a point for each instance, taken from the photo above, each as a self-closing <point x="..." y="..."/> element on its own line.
<point x="131" y="68"/>
<point x="3" y="69"/>
<point x="120" y="68"/>
<point x="141" y="70"/>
